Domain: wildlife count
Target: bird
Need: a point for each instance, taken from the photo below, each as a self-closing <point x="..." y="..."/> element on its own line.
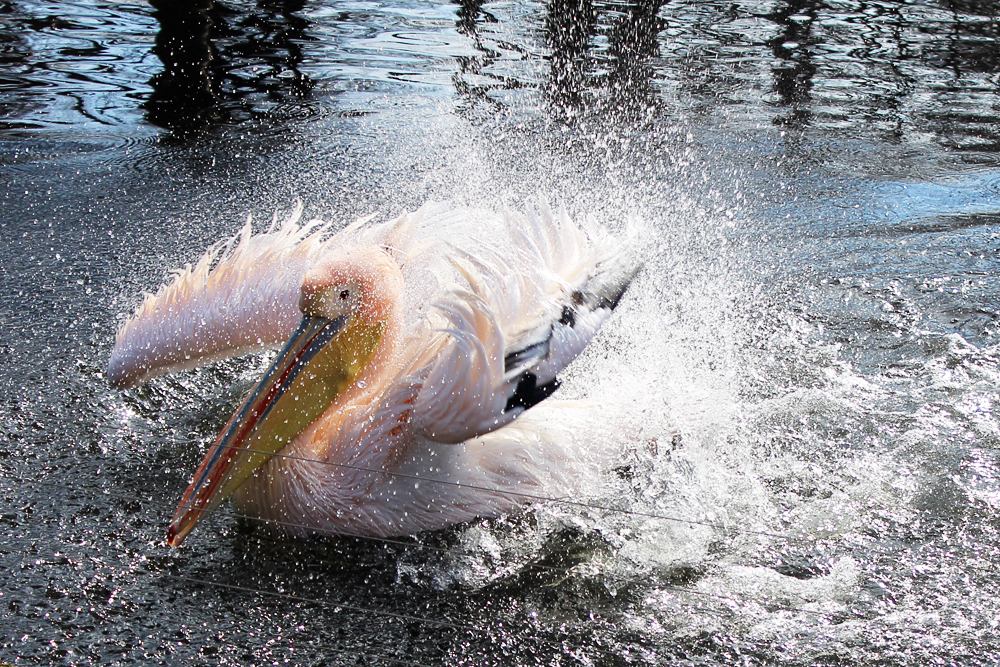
<point x="416" y="360"/>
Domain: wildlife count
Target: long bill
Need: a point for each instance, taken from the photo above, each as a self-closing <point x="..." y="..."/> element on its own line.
<point x="321" y="359"/>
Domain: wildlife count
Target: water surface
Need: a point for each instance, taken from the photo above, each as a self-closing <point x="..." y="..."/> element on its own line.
<point x="809" y="362"/>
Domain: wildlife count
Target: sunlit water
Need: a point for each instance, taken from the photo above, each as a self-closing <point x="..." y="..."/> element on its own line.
<point x="807" y="368"/>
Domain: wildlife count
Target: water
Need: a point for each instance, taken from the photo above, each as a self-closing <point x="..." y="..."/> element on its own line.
<point x="809" y="363"/>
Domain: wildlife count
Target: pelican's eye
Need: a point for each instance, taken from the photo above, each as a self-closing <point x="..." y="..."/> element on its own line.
<point x="332" y="301"/>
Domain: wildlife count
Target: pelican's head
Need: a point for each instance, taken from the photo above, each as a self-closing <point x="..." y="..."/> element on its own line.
<point x="349" y="303"/>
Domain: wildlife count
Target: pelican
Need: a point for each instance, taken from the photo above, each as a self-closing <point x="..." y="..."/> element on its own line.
<point x="412" y="355"/>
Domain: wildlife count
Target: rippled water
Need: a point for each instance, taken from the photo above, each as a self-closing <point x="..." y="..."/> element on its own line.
<point x="809" y="362"/>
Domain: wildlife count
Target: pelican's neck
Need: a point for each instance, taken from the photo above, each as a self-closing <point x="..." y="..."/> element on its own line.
<point x="381" y="369"/>
<point x="317" y="439"/>
<point x="380" y="280"/>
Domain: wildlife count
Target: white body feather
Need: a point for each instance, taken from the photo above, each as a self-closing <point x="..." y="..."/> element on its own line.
<point x="441" y="444"/>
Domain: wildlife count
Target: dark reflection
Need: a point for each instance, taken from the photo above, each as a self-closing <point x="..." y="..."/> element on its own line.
<point x="470" y="14"/>
<point x="634" y="40"/>
<point x="987" y="8"/>
<point x="570" y="26"/>
<point x="185" y="96"/>
<point x="14" y="52"/>
<point x="888" y="68"/>
<point x="222" y="65"/>
<point x="582" y="77"/>
<point x="794" y="70"/>
<point x="614" y="80"/>
<point x="892" y="69"/>
<point x="968" y="45"/>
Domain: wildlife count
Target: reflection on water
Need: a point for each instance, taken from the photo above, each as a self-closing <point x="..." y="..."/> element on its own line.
<point x="615" y="79"/>
<point x="795" y="70"/>
<point x="633" y="44"/>
<point x="902" y="70"/>
<point x="473" y="81"/>
<point x="73" y="65"/>
<point x="219" y="62"/>
<point x="184" y="93"/>
<point x="569" y="27"/>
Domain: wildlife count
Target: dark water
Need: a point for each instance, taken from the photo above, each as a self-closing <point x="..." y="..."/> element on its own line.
<point x="818" y="321"/>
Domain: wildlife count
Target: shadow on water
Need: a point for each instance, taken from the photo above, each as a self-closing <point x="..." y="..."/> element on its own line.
<point x="224" y="65"/>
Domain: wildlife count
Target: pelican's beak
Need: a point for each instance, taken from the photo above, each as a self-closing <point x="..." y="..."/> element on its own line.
<point x="321" y="359"/>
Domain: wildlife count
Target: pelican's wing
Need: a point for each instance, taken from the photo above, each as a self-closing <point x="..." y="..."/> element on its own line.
<point x="242" y="296"/>
<point x="527" y="312"/>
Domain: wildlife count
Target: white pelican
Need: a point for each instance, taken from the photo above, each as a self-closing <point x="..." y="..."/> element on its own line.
<point x="409" y="350"/>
